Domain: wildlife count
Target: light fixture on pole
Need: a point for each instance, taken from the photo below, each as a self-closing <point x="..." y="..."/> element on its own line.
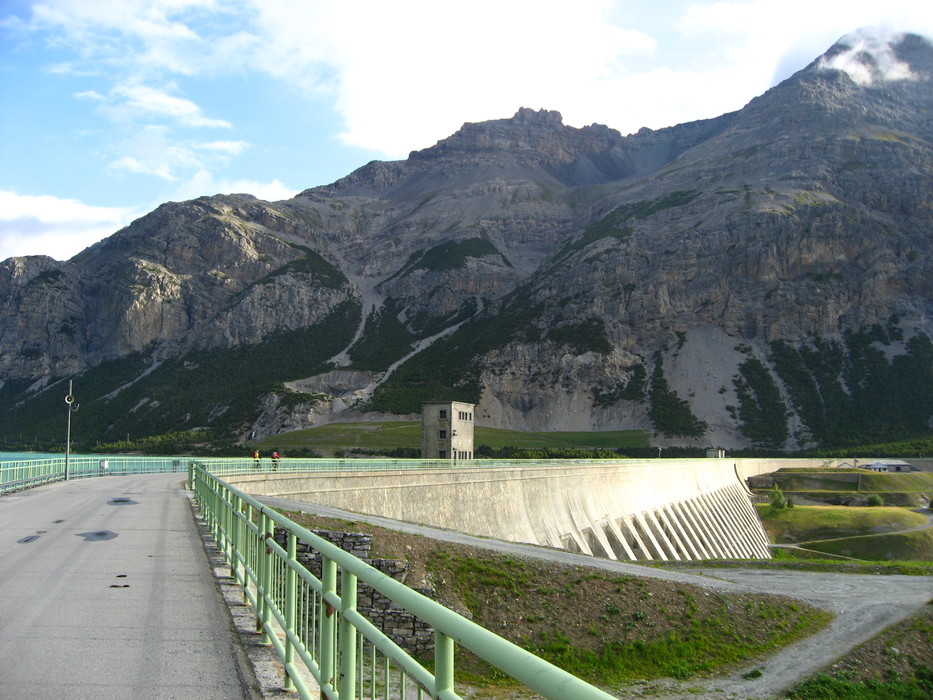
<point x="72" y="407"/>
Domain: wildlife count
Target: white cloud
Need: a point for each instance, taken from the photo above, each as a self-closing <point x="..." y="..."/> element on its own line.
<point x="60" y="227"/>
<point x="868" y="57"/>
<point x="132" y="165"/>
<point x="153" y="151"/>
<point x="144" y="101"/>
<point x="412" y="75"/>
<point x="230" y="148"/>
<point x="204" y="182"/>
<point x="404" y="74"/>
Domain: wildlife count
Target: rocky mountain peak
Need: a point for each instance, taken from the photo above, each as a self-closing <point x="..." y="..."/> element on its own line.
<point x="540" y="134"/>
<point x="871" y="56"/>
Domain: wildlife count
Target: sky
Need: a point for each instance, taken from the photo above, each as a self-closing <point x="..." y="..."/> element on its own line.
<point x="109" y="108"/>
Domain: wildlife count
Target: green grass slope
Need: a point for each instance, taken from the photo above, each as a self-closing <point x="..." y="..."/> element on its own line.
<point x="808" y="523"/>
<point x="901" y="546"/>
<point x="387" y="436"/>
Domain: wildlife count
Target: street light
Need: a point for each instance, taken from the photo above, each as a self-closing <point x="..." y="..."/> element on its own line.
<point x="659" y="452"/>
<point x="72" y="407"/>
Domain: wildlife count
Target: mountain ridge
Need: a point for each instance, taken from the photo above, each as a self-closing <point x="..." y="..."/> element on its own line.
<point x="555" y="271"/>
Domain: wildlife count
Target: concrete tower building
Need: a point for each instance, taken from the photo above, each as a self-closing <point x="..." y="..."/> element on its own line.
<point x="446" y="430"/>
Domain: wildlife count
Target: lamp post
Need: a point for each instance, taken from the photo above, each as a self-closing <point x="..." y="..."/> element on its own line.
<point x="72" y="407"/>
<point x="659" y="452"/>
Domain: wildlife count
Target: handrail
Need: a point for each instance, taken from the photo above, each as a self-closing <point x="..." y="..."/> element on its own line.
<point x="323" y="631"/>
<point x="20" y="474"/>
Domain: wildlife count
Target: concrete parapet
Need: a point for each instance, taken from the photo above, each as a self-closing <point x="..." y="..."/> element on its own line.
<point x="658" y="509"/>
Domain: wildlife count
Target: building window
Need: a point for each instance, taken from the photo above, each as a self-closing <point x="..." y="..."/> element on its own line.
<point x="442" y="454"/>
<point x="443" y="413"/>
<point x="442" y="434"/>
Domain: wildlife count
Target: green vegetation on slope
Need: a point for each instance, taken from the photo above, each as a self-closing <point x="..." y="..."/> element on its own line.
<point x="584" y="336"/>
<point x="218" y="390"/>
<point x="450" y="255"/>
<point x="633" y="389"/>
<point x="806" y="523"/>
<point x="388" y="436"/>
<point x="904" y="546"/>
<point x="848" y="393"/>
<point x="761" y="409"/>
<point x="670" y="414"/>
<point x="446" y="370"/>
<point x="900" y="449"/>
<point x="385" y="340"/>
<point x="616" y="224"/>
<point x="311" y="263"/>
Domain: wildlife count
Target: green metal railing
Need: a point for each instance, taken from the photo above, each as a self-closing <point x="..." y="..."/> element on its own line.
<point x="22" y="474"/>
<point x="315" y="627"/>
<point x="18" y="474"/>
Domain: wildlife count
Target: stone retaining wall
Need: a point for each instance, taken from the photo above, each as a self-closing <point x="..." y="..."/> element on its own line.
<point x="402" y="627"/>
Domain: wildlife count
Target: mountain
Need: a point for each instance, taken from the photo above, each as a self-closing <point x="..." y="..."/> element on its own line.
<point x="761" y="279"/>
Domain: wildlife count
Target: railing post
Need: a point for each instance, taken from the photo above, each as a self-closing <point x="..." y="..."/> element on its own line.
<point x="347" y="673"/>
<point x="222" y="530"/>
<point x="443" y="663"/>
<point x="247" y="538"/>
<point x="236" y="533"/>
<point x="265" y="577"/>
<point x="328" y="623"/>
<point x="291" y="602"/>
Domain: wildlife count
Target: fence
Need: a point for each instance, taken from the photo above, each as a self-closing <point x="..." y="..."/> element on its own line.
<point x="20" y="474"/>
<point x="315" y="627"/>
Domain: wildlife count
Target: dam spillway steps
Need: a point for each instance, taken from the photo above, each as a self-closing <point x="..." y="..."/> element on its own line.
<point x="627" y="510"/>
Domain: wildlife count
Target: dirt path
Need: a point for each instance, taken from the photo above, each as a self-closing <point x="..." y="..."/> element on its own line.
<point x="864" y="605"/>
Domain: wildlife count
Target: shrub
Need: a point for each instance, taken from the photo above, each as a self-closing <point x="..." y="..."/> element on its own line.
<point x="776" y="497"/>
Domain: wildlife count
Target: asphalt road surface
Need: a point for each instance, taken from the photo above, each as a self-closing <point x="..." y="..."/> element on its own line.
<point x="106" y="592"/>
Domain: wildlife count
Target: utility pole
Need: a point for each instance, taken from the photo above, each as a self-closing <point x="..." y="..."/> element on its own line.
<point x="72" y="407"/>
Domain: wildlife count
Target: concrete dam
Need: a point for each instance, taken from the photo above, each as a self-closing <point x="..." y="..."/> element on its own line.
<point x="625" y="509"/>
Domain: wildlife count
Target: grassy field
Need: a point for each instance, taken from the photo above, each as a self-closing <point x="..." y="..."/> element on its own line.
<point x="913" y="481"/>
<point x="327" y="439"/>
<point x="869" y="534"/>
<point x="900" y="546"/>
<point x="808" y="523"/>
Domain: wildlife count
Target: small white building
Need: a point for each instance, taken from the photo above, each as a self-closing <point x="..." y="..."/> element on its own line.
<point x="446" y="430"/>
<point x="889" y="465"/>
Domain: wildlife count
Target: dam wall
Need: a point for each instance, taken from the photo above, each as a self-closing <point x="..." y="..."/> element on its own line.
<point x="630" y="510"/>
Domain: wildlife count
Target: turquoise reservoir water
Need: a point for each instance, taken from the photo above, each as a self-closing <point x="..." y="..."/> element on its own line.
<point x="28" y="456"/>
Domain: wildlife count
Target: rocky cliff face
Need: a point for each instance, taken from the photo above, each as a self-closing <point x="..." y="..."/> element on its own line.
<point x="559" y="277"/>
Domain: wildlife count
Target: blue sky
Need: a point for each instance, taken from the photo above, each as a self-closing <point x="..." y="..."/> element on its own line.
<point x="111" y="107"/>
